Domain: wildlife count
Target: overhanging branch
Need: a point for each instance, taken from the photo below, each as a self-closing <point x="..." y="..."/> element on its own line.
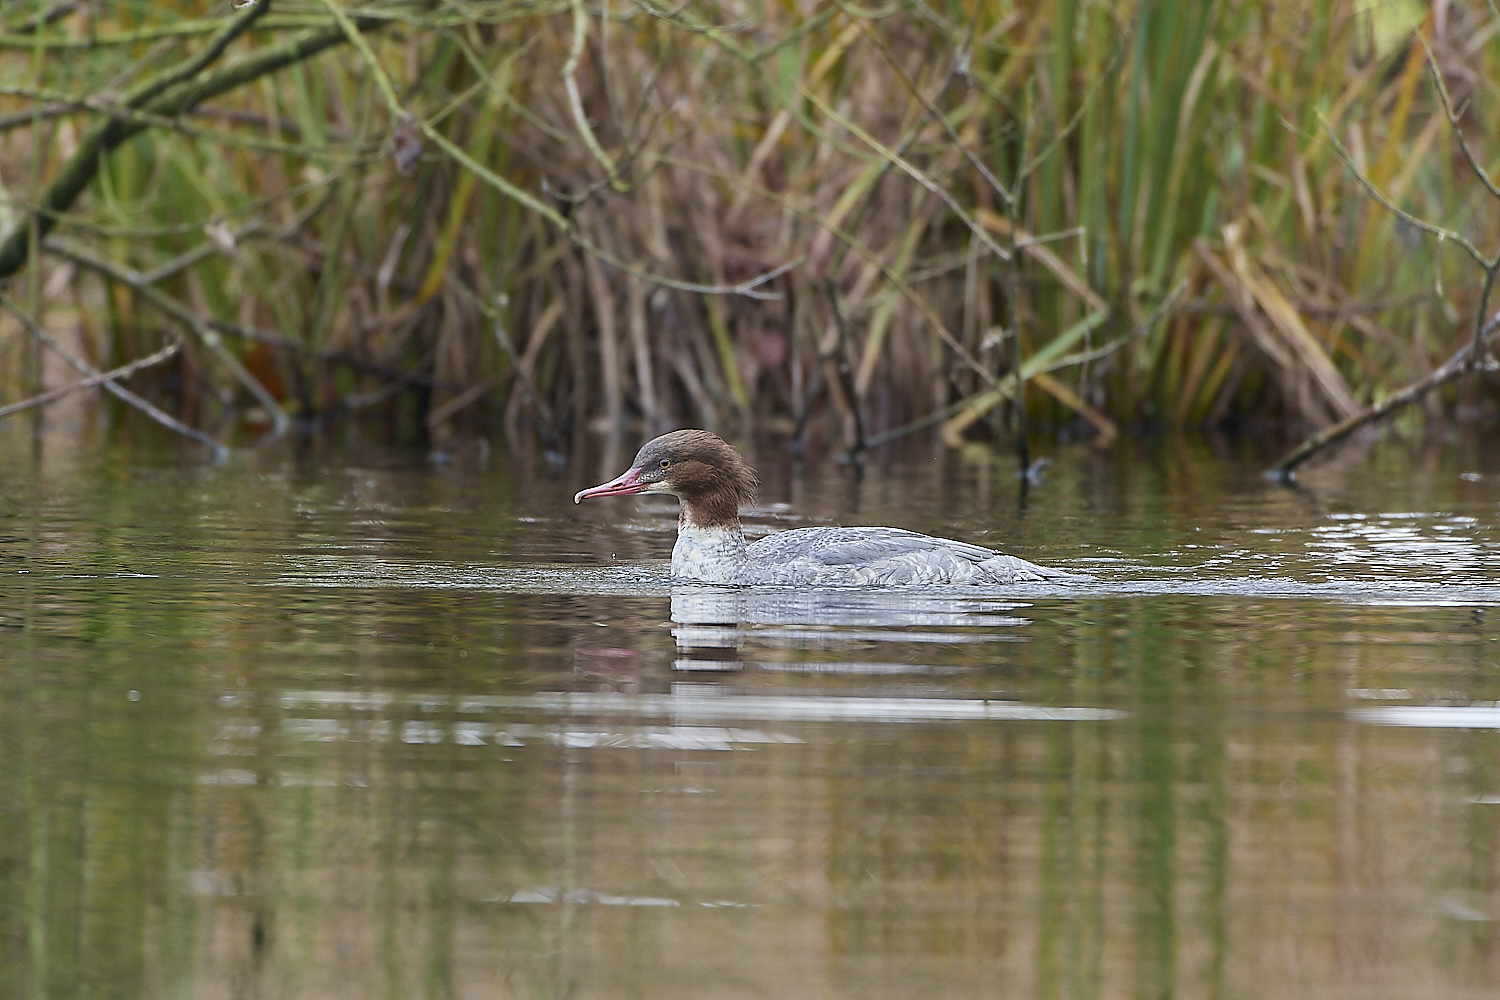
<point x="175" y="92"/>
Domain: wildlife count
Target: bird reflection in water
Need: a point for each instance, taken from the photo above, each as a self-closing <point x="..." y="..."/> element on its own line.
<point x="710" y="625"/>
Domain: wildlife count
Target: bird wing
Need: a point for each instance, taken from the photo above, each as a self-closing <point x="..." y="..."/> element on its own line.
<point x="846" y="546"/>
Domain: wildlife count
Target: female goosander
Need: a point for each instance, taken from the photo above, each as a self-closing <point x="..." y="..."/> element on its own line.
<point x="711" y="480"/>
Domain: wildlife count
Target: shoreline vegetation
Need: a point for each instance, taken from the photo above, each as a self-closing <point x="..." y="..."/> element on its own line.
<point x="852" y="222"/>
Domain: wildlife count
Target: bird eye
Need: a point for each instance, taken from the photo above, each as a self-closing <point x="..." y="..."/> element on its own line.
<point x="666" y="463"/>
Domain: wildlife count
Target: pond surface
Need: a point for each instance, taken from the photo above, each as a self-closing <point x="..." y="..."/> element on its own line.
<point x="308" y="725"/>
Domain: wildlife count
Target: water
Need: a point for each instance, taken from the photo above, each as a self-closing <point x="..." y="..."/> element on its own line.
<point x="307" y="726"/>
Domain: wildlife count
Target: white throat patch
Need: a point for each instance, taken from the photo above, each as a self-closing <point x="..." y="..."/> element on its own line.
<point x="708" y="555"/>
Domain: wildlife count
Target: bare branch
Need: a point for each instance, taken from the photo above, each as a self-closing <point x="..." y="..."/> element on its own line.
<point x="1443" y="235"/>
<point x="910" y="170"/>
<point x="113" y="387"/>
<point x="251" y="12"/>
<point x="124" y="371"/>
<point x="1463" y="142"/>
<point x="1462" y="362"/>
<point x="183" y="96"/>
<point x="575" y="99"/>
<point x="932" y="109"/>
<point x="28" y="41"/>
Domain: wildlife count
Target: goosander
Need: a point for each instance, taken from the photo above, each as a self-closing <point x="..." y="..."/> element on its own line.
<point x="711" y="480"/>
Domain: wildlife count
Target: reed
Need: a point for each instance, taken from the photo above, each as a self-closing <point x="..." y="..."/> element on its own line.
<point x="538" y="218"/>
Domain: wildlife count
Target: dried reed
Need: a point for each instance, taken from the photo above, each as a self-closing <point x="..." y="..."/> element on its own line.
<point x="549" y="216"/>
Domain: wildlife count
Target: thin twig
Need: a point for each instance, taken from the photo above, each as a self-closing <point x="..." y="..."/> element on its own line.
<point x="1443" y="235"/>
<point x="1105" y="350"/>
<point x="908" y="168"/>
<point x="27" y="41"/>
<point x="251" y="12"/>
<point x="79" y="223"/>
<point x="203" y="250"/>
<point x="1463" y="142"/>
<point x="113" y="387"/>
<point x="1492" y="266"/>
<point x="575" y="99"/>
<point x="924" y="421"/>
<point x="57" y="105"/>
<point x="46" y="17"/>
<point x="124" y="371"/>
<point x="932" y="109"/>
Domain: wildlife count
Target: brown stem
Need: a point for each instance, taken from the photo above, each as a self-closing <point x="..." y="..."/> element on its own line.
<point x="845" y="373"/>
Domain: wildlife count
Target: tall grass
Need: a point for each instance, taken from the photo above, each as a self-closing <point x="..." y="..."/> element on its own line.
<point x="541" y="218"/>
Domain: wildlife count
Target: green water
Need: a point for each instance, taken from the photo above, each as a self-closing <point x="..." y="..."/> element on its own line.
<point x="339" y="723"/>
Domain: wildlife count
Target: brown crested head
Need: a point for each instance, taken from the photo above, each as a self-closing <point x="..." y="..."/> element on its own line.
<point x="702" y="470"/>
<point x="698" y="467"/>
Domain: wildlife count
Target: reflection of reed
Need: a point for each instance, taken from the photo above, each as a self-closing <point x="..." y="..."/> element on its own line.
<point x="951" y="853"/>
<point x="368" y="786"/>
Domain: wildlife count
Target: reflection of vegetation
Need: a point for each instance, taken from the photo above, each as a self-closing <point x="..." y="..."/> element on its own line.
<point x="657" y="213"/>
<point x="234" y="832"/>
